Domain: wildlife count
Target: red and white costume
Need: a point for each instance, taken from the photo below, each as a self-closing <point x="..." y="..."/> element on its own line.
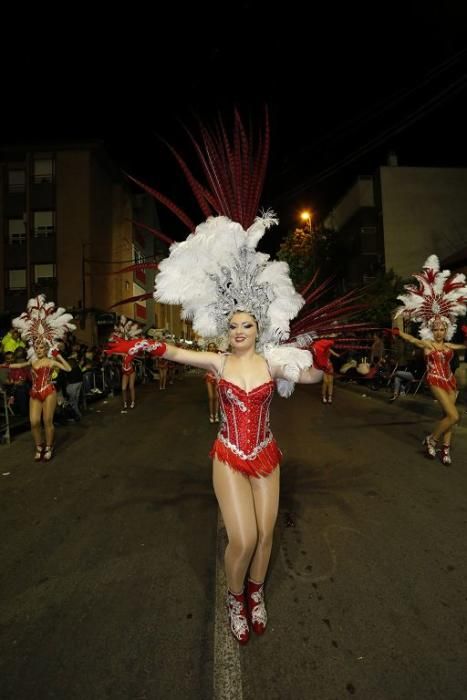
<point x="42" y="385"/>
<point x="245" y="441"/>
<point x="128" y="366"/>
<point x="439" y="371"/>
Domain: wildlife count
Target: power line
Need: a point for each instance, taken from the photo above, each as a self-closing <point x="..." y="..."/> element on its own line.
<point x="380" y="107"/>
<point x="453" y="89"/>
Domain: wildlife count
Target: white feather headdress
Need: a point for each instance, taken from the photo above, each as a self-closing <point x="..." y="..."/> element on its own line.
<point x="126" y="329"/>
<point x="42" y="322"/>
<point x="218" y="271"/>
<point x="438" y="296"/>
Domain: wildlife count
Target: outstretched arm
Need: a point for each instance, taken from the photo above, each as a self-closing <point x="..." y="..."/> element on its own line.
<point x="16" y="365"/>
<point x="411" y="339"/>
<point x="209" y="361"/>
<point x="310" y="376"/>
<point x="456" y="346"/>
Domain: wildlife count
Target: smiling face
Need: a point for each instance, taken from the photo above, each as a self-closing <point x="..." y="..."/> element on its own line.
<point x="212" y="347"/>
<point x="243" y="331"/>
<point x="439" y="331"/>
<point x="41" y="350"/>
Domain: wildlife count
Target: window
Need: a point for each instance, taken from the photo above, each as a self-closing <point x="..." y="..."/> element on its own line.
<point x="16" y="279"/>
<point x="44" y="170"/>
<point x="44" y="224"/>
<point x="16" y="180"/>
<point x="16" y="232"/>
<point x="44" y="274"/>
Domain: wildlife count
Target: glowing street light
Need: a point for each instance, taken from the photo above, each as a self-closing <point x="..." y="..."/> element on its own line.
<point x="307" y="216"/>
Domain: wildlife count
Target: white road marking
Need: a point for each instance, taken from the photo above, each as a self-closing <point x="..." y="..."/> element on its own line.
<point x="227" y="669"/>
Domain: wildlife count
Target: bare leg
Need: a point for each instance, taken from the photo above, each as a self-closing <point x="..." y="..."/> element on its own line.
<point x="49" y="406"/>
<point x="324" y="387"/>
<point x="330" y="386"/>
<point x="35" y="413"/>
<point x="451" y="415"/>
<point x="124" y="388"/>
<point x="235" y="498"/>
<point x="162" y="378"/>
<point x="132" y="379"/>
<point x="266" y="500"/>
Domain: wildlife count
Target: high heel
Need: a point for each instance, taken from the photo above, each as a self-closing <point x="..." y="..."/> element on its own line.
<point x="430" y="446"/>
<point x="38" y="453"/>
<point x="257" y="607"/>
<point x="48" y="453"/>
<point x="237" y="610"/>
<point x="445" y="455"/>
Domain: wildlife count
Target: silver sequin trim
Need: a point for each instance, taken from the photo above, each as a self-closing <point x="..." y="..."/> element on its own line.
<point x="243" y="455"/>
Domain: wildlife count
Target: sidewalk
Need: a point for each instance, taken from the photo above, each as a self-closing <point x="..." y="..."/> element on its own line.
<point x="422" y="403"/>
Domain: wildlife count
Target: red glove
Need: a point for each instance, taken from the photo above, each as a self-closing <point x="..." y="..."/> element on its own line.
<point x="134" y="347"/>
<point x="157" y="349"/>
<point x="464" y="330"/>
<point x="53" y="352"/>
<point x="395" y="331"/>
<point x="119" y="345"/>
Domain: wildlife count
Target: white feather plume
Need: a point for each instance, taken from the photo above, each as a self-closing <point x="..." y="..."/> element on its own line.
<point x="190" y="277"/>
<point x="291" y="361"/>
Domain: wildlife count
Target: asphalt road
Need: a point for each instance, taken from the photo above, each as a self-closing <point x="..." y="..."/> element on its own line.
<point x="108" y="558"/>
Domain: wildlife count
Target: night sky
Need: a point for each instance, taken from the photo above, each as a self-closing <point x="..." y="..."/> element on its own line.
<point x="343" y="86"/>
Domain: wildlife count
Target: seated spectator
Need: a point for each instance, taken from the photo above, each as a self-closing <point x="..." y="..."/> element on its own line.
<point x="411" y="372"/>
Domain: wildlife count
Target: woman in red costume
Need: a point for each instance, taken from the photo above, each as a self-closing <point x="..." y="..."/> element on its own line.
<point x="435" y="303"/>
<point x="228" y="288"/>
<point x="127" y="329"/>
<point x="322" y="351"/>
<point x="41" y="325"/>
<point x="246" y="460"/>
<point x="211" y="386"/>
<point x="439" y="377"/>
<point x="43" y="397"/>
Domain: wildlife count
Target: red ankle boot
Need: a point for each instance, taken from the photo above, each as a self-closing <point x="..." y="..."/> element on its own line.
<point x="256" y="606"/>
<point x="236" y="606"/>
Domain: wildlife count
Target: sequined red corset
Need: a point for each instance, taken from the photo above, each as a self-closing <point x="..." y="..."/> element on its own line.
<point x="439" y="371"/>
<point x="245" y="441"/>
<point x="41" y="383"/>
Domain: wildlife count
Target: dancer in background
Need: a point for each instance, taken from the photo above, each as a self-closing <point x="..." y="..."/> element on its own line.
<point x="42" y="326"/>
<point x="127" y="330"/>
<point x="435" y="303"/>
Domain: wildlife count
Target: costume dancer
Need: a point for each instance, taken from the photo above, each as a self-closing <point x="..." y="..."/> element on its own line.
<point x="228" y="288"/>
<point x="322" y="351"/>
<point x="41" y="326"/>
<point x="435" y="303"/>
<point x="127" y="330"/>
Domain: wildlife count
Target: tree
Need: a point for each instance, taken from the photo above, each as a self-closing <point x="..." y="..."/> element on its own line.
<point x="381" y="298"/>
<point x="308" y="251"/>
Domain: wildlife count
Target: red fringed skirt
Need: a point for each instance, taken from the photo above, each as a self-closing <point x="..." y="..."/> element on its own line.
<point x="263" y="464"/>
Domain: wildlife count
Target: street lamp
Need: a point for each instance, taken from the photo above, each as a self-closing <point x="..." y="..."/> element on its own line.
<point x="307" y="216"/>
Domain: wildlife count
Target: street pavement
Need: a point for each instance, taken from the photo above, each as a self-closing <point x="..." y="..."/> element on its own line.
<point x="112" y="580"/>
